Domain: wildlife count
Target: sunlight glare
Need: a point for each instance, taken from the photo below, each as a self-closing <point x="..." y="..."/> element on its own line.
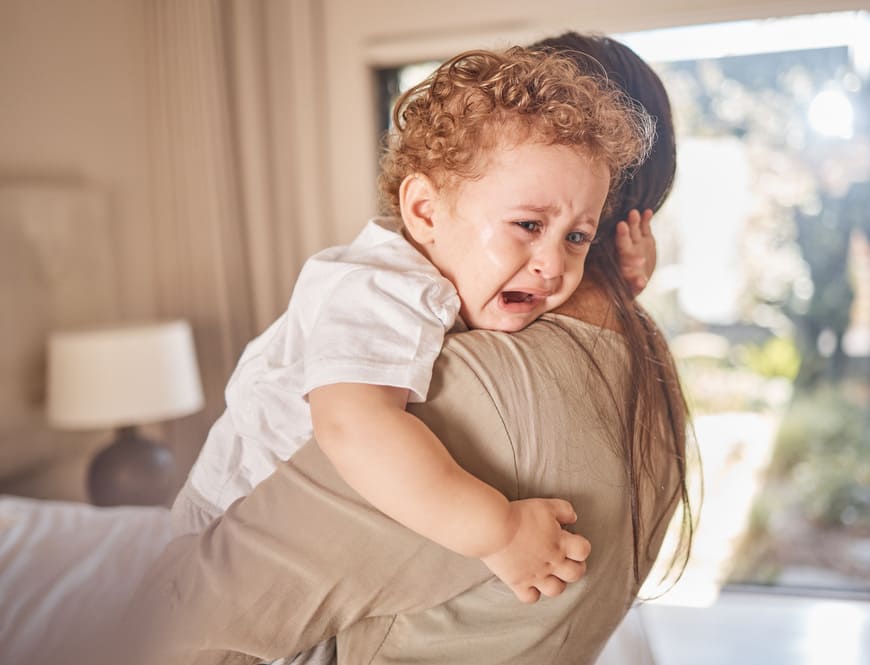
<point x="831" y="114"/>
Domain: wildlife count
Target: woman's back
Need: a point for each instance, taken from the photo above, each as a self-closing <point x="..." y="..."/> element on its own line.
<point x="551" y="401"/>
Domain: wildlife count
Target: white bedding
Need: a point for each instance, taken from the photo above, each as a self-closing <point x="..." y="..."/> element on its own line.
<point x="67" y="569"/>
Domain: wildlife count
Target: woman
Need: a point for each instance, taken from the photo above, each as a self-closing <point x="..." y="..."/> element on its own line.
<point x="570" y="407"/>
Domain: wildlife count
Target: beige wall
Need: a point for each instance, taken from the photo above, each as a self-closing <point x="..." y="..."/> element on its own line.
<point x="74" y="104"/>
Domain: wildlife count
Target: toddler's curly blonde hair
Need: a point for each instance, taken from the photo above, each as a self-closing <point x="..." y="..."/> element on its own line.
<point x="444" y="126"/>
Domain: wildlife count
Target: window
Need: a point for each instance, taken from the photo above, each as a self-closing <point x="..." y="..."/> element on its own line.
<point x="763" y="286"/>
<point x="764" y="289"/>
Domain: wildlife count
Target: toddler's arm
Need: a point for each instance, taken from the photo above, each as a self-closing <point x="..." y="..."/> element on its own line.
<point x="397" y="464"/>
<point x="636" y="249"/>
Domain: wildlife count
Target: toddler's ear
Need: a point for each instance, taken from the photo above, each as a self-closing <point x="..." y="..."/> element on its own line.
<point x="417" y="196"/>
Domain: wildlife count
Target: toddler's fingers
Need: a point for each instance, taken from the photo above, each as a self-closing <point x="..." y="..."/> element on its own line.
<point x="634" y="225"/>
<point x="526" y="595"/>
<point x="563" y="511"/>
<point x="551" y="586"/>
<point x="575" y="546"/>
<point x="624" y="242"/>
<point x="645" y="220"/>
<point x="569" y="571"/>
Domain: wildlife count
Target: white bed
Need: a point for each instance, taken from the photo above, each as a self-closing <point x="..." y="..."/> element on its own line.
<point x="68" y="569"/>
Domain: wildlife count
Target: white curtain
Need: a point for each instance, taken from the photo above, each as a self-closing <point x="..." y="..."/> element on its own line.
<point x="237" y="172"/>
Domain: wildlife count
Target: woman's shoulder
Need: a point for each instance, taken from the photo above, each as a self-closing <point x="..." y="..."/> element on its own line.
<point x="552" y="339"/>
<point x="584" y="329"/>
<point x="556" y="370"/>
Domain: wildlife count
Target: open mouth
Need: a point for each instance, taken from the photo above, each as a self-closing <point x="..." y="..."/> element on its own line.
<point x="511" y="297"/>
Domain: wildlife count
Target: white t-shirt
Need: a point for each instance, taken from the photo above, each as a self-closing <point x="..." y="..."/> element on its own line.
<point x="374" y="311"/>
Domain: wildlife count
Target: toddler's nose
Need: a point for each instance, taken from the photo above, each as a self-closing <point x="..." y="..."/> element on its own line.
<point x="548" y="261"/>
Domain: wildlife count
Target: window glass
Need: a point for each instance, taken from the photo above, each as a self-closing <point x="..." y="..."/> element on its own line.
<point x="764" y="289"/>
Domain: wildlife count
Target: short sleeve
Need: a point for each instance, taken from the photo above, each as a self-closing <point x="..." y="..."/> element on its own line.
<point x="380" y="326"/>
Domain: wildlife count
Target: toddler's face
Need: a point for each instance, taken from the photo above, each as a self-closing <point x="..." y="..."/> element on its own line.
<point x="514" y="241"/>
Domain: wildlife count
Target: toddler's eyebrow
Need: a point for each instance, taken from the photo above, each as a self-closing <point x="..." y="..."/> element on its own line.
<point x="552" y="209"/>
<point x="532" y="207"/>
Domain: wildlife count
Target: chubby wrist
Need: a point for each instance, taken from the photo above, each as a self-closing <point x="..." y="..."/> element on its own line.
<point x="492" y="528"/>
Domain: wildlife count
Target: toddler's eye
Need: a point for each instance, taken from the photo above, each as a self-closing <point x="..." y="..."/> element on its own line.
<point x="577" y="238"/>
<point x="529" y="225"/>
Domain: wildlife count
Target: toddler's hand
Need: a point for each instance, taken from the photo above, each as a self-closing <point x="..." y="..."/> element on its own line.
<point x="636" y="249"/>
<point x="540" y="556"/>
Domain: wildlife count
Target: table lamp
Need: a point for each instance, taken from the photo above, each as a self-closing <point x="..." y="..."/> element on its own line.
<point x="122" y="377"/>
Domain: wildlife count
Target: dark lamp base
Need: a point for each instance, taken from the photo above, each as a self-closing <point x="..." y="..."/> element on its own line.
<point x="132" y="471"/>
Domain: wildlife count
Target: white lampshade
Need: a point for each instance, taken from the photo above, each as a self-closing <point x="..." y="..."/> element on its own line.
<point x="119" y="376"/>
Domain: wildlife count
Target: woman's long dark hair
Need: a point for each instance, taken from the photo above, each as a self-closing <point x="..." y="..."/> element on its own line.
<point x="656" y="388"/>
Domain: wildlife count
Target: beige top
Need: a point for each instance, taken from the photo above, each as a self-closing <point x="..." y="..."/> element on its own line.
<point x="304" y="557"/>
